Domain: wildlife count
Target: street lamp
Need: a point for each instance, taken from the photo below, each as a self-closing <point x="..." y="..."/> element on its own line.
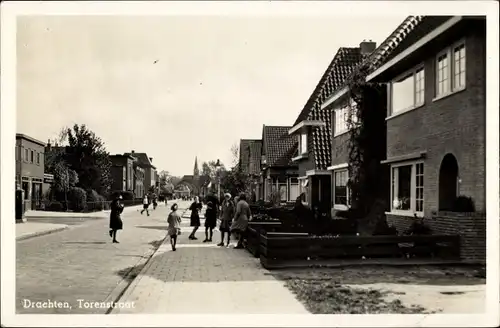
<point x="217" y="168"/>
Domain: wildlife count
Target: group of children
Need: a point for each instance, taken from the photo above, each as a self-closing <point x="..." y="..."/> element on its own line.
<point x="234" y="216"/>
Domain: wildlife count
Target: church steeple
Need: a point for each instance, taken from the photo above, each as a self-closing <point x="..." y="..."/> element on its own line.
<point x="196" y="172"/>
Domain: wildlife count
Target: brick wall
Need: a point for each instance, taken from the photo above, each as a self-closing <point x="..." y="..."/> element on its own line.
<point x="454" y="124"/>
<point x="470" y="226"/>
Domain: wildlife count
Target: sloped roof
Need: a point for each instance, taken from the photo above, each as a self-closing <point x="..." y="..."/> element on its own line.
<point x="142" y="158"/>
<point x="341" y="67"/>
<point x="278" y="145"/>
<point x="250" y="155"/>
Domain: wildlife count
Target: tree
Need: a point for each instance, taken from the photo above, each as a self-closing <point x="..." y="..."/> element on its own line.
<point x="235" y="154"/>
<point x="166" y="185"/>
<point x="87" y="156"/>
<point x="235" y="181"/>
<point x="210" y="169"/>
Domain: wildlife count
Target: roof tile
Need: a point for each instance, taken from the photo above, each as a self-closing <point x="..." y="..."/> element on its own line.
<point x="279" y="146"/>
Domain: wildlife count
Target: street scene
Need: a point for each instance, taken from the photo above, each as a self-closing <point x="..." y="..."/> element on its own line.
<point x="207" y="165"/>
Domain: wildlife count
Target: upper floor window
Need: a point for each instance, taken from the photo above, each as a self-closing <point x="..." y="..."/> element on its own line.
<point x="38" y="155"/>
<point x="450" y="70"/>
<point x="32" y="157"/>
<point x="26" y="155"/>
<point x="303" y="143"/>
<point x="408" y="91"/>
<point x="341" y="118"/>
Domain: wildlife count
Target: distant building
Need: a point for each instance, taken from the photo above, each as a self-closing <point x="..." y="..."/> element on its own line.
<point x="249" y="162"/>
<point x="146" y="163"/>
<point x="122" y="171"/>
<point x="30" y="169"/>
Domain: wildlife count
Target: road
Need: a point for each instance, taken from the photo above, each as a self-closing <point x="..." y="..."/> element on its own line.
<point x="81" y="263"/>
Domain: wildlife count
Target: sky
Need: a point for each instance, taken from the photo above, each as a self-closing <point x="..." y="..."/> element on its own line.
<point x="176" y="87"/>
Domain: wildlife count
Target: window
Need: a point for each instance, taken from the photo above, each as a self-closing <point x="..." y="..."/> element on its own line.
<point x="450" y="70"/>
<point x="283" y="191"/>
<point x="459" y="67"/>
<point x="303" y="143"/>
<point x="304" y="188"/>
<point x="294" y="191"/>
<point x="409" y="91"/>
<point x="26" y="155"/>
<point x="38" y="158"/>
<point x="341" y="192"/>
<point x="32" y="156"/>
<point x="341" y="118"/>
<point x="407" y="187"/>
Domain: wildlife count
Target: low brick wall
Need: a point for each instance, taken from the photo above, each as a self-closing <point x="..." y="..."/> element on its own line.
<point x="470" y="226"/>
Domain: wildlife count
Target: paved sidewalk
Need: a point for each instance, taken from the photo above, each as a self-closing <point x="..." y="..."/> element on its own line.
<point x="203" y="278"/>
<point x="33" y="229"/>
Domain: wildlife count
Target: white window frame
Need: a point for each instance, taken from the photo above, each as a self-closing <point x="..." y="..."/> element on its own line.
<point x="413" y="73"/>
<point x="302" y="136"/>
<point x="413" y="191"/>
<point x="450" y="53"/>
<point x="346" y="109"/>
<point x="341" y="207"/>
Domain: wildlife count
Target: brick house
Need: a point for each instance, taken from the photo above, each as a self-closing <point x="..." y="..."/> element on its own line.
<point x="312" y="130"/>
<point x="249" y="162"/>
<point x="138" y="180"/>
<point x="122" y="171"/>
<point x="146" y="163"/>
<point x="278" y="171"/>
<point x="436" y="126"/>
<point x="30" y="169"/>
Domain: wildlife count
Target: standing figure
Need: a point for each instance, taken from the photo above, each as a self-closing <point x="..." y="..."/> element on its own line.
<point x="210" y="221"/>
<point x="226" y="217"/>
<point x="145" y="205"/>
<point x="155" y="202"/>
<point x="195" y="209"/>
<point x="241" y="217"/>
<point x="174" y="225"/>
<point x="115" y="221"/>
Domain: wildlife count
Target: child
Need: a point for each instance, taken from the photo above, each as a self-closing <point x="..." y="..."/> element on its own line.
<point x="145" y="205"/>
<point x="174" y="226"/>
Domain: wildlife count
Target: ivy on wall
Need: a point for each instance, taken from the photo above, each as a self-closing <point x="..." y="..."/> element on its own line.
<point x="368" y="178"/>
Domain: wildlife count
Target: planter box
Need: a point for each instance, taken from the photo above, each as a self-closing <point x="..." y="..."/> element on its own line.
<point x="254" y="230"/>
<point x="278" y="249"/>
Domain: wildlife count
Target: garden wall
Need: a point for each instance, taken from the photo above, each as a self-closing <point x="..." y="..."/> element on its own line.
<point x="470" y="226"/>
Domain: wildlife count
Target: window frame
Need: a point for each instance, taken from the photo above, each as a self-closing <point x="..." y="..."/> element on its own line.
<point x="413" y="72"/>
<point x="413" y="189"/>
<point x="450" y="52"/>
<point x="341" y="207"/>
<point x="26" y="155"/>
<point x="32" y="156"/>
<point x="345" y="106"/>
<point x="303" y="149"/>
<point x="38" y="158"/>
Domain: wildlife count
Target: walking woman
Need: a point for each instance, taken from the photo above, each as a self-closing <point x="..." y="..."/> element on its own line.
<point x="210" y="221"/>
<point x="195" y="209"/>
<point x="174" y="226"/>
<point x="241" y="217"/>
<point x="226" y="217"/>
<point x="115" y="221"/>
<point x="145" y="205"/>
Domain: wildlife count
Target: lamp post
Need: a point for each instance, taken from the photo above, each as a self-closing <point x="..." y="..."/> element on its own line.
<point x="217" y="167"/>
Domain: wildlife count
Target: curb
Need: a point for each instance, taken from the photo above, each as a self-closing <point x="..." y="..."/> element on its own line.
<point x="41" y="233"/>
<point x="124" y="284"/>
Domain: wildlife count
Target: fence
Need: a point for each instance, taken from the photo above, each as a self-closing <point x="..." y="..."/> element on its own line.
<point x="85" y="207"/>
<point x="281" y="250"/>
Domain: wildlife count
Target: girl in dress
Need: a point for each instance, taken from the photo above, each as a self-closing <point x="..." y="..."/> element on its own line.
<point x="210" y="221"/>
<point x="227" y="213"/>
<point x="195" y="209"/>
<point x="174" y="226"/>
<point x="115" y="221"/>
<point x="241" y="217"/>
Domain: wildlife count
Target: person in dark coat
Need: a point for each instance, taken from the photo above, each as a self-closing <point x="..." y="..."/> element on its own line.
<point x="210" y="221"/>
<point x="195" y="209"/>
<point x="226" y="217"/>
<point x="115" y="221"/>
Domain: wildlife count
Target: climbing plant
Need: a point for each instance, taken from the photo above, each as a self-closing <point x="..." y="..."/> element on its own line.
<point x="367" y="147"/>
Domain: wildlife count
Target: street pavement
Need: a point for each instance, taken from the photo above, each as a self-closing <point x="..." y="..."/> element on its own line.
<point x="202" y="278"/>
<point x="81" y="263"/>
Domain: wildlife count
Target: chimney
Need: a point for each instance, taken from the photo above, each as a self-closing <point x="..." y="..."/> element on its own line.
<point x="151" y="159"/>
<point x="48" y="145"/>
<point x="133" y="151"/>
<point x="367" y="47"/>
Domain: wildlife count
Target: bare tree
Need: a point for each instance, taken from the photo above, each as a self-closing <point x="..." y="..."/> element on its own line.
<point x="235" y="154"/>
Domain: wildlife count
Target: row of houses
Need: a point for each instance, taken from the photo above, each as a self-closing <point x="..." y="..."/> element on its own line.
<point x="132" y="171"/>
<point x="433" y="123"/>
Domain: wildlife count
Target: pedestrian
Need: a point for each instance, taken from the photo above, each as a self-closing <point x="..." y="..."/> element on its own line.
<point x="195" y="209"/>
<point x="115" y="221"/>
<point x="174" y="226"/>
<point x="145" y="205"/>
<point x="210" y="221"/>
<point x="241" y="217"/>
<point x="155" y="202"/>
<point x="226" y="217"/>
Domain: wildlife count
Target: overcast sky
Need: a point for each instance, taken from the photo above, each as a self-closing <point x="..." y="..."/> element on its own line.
<point x="176" y="87"/>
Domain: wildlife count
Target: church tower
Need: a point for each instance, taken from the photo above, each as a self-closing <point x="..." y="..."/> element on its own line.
<point x="196" y="172"/>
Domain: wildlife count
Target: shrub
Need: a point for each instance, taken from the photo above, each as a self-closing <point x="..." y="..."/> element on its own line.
<point x="464" y="204"/>
<point x="78" y="199"/>
<point x="55" y="207"/>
